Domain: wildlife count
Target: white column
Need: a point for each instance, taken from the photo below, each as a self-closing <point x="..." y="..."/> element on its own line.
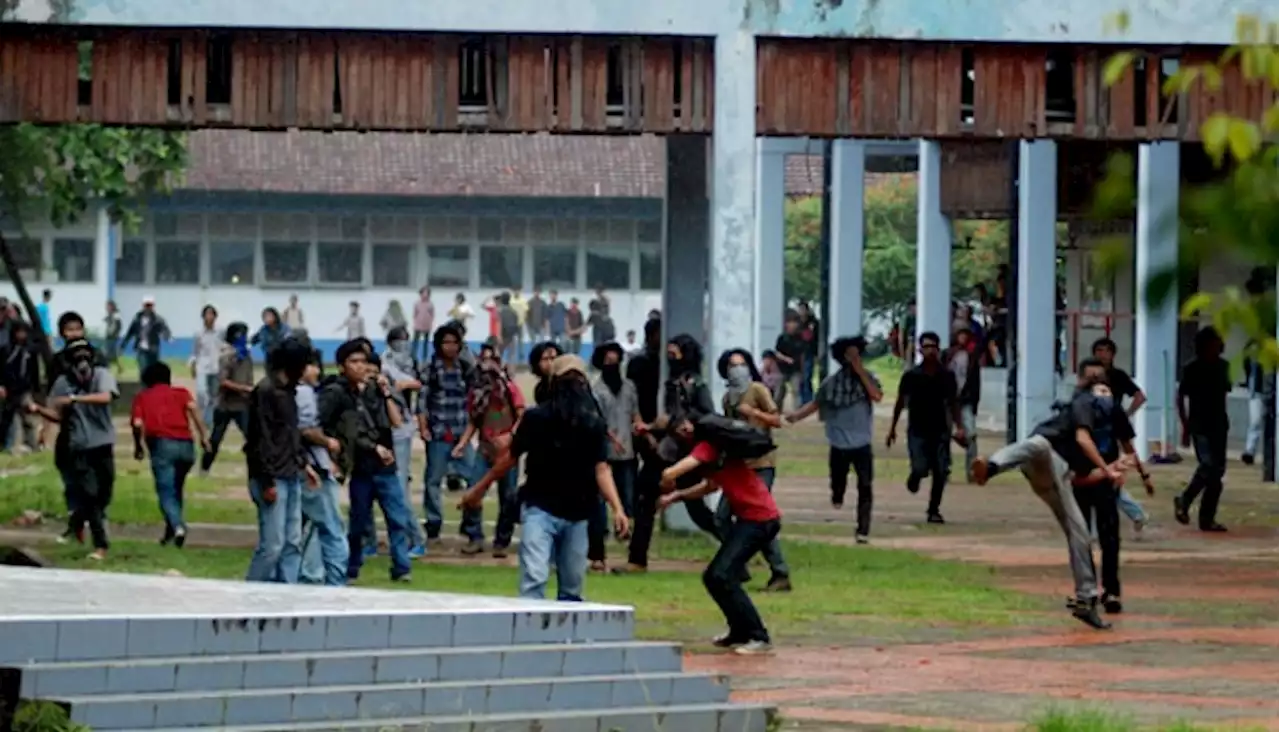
<point x="733" y="198"/>
<point x="104" y="254"/>
<point x="1036" y="281"/>
<point x="933" y="248"/>
<point x="1155" y="345"/>
<point x="771" y="200"/>
<point x="844" y="293"/>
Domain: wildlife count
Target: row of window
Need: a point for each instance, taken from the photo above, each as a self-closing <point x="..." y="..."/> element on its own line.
<point x="220" y="261"/>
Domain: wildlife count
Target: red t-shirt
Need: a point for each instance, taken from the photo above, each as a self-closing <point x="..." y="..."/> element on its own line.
<point x="748" y="496"/>
<point x="163" y="411"/>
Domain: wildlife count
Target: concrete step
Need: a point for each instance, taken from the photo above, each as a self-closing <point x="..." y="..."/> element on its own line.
<point x="321" y="668"/>
<point x="340" y="704"/>
<point x="674" y="718"/>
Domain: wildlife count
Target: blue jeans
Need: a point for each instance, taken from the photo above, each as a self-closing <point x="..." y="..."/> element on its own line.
<point x="806" y="380"/>
<point x="1130" y="506"/>
<point x="278" y="556"/>
<point x="546" y="539"/>
<point x="441" y="462"/>
<point x="146" y="359"/>
<point x="324" y="544"/>
<point x="171" y="460"/>
<point x="207" y="396"/>
<point x="624" y="479"/>
<point x="508" y="507"/>
<point x="403" y="447"/>
<point x="383" y="487"/>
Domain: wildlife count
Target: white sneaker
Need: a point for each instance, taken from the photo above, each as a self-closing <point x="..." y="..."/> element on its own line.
<point x="754" y="648"/>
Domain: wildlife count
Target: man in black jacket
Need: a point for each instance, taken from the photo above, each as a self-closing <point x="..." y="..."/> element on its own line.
<point x="277" y="466"/>
<point x="361" y="412"/>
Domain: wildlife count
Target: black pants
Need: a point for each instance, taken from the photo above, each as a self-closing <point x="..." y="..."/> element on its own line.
<point x="723" y="577"/>
<point x="1211" y="465"/>
<point x="1099" y="501"/>
<point x="930" y="455"/>
<point x="624" y="479"/>
<point x="646" y="504"/>
<point x="839" y="461"/>
<point x="221" y="420"/>
<point x="92" y="477"/>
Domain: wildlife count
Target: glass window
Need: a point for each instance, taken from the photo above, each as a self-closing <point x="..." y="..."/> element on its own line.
<point x="555" y="267"/>
<point x="285" y="261"/>
<point x="26" y="254"/>
<point x="596" y="231"/>
<point x="230" y="263"/>
<point x="501" y="267"/>
<point x="340" y="263"/>
<point x="131" y="266"/>
<point x="609" y="267"/>
<point x="179" y="225"/>
<point x="622" y="231"/>
<point x="73" y="259"/>
<point x="649" y="230"/>
<point x="449" y="265"/>
<point x="178" y="262"/>
<point x="392" y="265"/>
<point x="650" y="266"/>
<point x="489" y="230"/>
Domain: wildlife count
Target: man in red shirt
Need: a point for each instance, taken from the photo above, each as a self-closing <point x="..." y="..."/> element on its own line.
<point x="162" y="418"/>
<point x="758" y="522"/>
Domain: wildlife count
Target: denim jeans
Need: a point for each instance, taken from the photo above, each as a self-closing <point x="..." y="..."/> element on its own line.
<point x="1257" y="415"/>
<point x="508" y="507"/>
<point x="146" y="359"/>
<point x="722" y="577"/>
<point x="440" y="462"/>
<point x="383" y="487"/>
<point x="171" y="460"/>
<point x="624" y="479"/>
<point x="772" y="553"/>
<point x="806" y="379"/>
<point x="969" y="421"/>
<point x="324" y="543"/>
<point x="1130" y="506"/>
<point x="278" y="556"/>
<point x="546" y="539"/>
<point x="221" y="419"/>
<point x="403" y="447"/>
<point x="207" y="396"/>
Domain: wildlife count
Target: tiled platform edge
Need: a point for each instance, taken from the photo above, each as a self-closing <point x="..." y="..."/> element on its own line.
<point x="567" y="668"/>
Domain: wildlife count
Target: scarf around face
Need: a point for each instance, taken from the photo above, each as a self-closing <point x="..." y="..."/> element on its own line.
<point x="490" y="380"/>
<point x="841" y="390"/>
<point x="737" y="384"/>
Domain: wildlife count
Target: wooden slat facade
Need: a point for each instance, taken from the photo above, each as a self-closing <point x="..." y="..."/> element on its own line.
<point x="593" y="84"/>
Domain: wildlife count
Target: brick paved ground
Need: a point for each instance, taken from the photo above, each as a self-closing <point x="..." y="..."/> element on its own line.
<point x="1198" y="641"/>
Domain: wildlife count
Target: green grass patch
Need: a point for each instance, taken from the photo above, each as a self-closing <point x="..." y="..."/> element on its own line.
<point x="1100" y="720"/>
<point x="839" y="590"/>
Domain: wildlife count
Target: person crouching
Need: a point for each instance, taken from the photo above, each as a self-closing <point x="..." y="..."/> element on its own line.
<point x="757" y="522"/>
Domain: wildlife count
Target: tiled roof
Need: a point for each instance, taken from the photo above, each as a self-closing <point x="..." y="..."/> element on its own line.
<point x="396" y="164"/>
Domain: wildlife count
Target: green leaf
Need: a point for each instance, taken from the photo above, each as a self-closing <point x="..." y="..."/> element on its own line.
<point x="1116" y="66"/>
<point x="1181" y="81"/>
<point x="1214" y="132"/>
<point x="1243" y="139"/>
<point x="1271" y="119"/>
<point x="1196" y="304"/>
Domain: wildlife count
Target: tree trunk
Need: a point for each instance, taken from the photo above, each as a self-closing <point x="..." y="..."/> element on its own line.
<point x="42" y="339"/>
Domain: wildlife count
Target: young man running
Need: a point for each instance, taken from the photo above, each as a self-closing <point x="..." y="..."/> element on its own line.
<point x="1202" y="407"/>
<point x="235" y="384"/>
<point x="566" y="447"/>
<point x="362" y="414"/>
<point x="1045" y="459"/>
<point x="928" y="392"/>
<point x="756" y="524"/>
<point x="163" y="416"/>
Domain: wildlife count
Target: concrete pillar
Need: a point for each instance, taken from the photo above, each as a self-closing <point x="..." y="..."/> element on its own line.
<point x="1036" y="281"/>
<point x="844" y="294"/>
<point x="688" y="237"/>
<point x="933" y="248"/>
<point x="105" y="239"/>
<point x="1156" y="328"/>
<point x="733" y="198"/>
<point x="770" y="270"/>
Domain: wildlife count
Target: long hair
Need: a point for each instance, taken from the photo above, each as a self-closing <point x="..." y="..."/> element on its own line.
<point x="574" y="410"/>
<point x="690" y="353"/>
<point x="722" y="365"/>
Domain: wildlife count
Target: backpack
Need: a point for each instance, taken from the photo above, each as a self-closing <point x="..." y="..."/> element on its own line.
<point x="734" y="439"/>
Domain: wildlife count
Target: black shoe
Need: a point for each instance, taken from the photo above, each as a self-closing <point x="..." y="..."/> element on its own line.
<point x="1214" y="528"/>
<point x="913" y="487"/>
<point x="1247" y="459"/>
<point x="1180" y="511"/>
<point x="180" y="536"/>
<point x="725" y="640"/>
<point x="1087" y="613"/>
<point x="1112" y="604"/>
<point x="778" y="584"/>
<point x="935" y="518"/>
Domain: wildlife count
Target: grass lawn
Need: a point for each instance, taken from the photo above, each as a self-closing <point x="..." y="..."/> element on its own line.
<point x="1101" y="721"/>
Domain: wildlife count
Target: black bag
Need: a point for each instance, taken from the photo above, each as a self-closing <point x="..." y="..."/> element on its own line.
<point x="733" y="438"/>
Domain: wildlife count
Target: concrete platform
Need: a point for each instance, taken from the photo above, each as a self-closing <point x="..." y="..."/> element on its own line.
<point x="133" y="652"/>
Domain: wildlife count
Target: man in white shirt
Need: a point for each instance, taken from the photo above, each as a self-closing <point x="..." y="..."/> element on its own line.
<point x="292" y="315"/>
<point x="206" y="361"/>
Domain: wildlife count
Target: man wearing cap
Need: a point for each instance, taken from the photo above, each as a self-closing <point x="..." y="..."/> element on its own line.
<point x="567" y="448"/>
<point x="146" y="332"/>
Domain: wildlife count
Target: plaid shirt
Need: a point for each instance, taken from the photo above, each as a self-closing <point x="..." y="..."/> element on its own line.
<point x="444" y="401"/>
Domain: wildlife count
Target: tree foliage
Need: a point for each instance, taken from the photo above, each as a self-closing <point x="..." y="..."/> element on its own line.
<point x="1235" y="215"/>
<point x="889" y="266"/>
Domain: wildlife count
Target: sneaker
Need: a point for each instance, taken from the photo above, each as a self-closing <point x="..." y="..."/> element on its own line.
<point x="1214" y="528"/>
<point x="599" y="567"/>
<point x="978" y="471"/>
<point x="628" y="569"/>
<point x="98" y="555"/>
<point x="1138" y="526"/>
<point x="1112" y="604"/>
<point x="913" y="488"/>
<point x="724" y="640"/>
<point x="861" y="538"/>
<point x="1247" y="459"/>
<point x="778" y="584"/>
<point x="403" y="579"/>
<point x="1180" y="511"/>
<point x="473" y="548"/>
<point x="369" y="550"/>
<point x="935" y="518"/>
<point x="499" y="552"/>
<point x="417" y="552"/>
<point x="1086" y="611"/>
<point x="754" y="648"/>
<point x="180" y="536"/>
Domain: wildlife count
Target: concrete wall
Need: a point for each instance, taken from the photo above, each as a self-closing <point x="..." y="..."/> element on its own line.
<point x="1074" y="21"/>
